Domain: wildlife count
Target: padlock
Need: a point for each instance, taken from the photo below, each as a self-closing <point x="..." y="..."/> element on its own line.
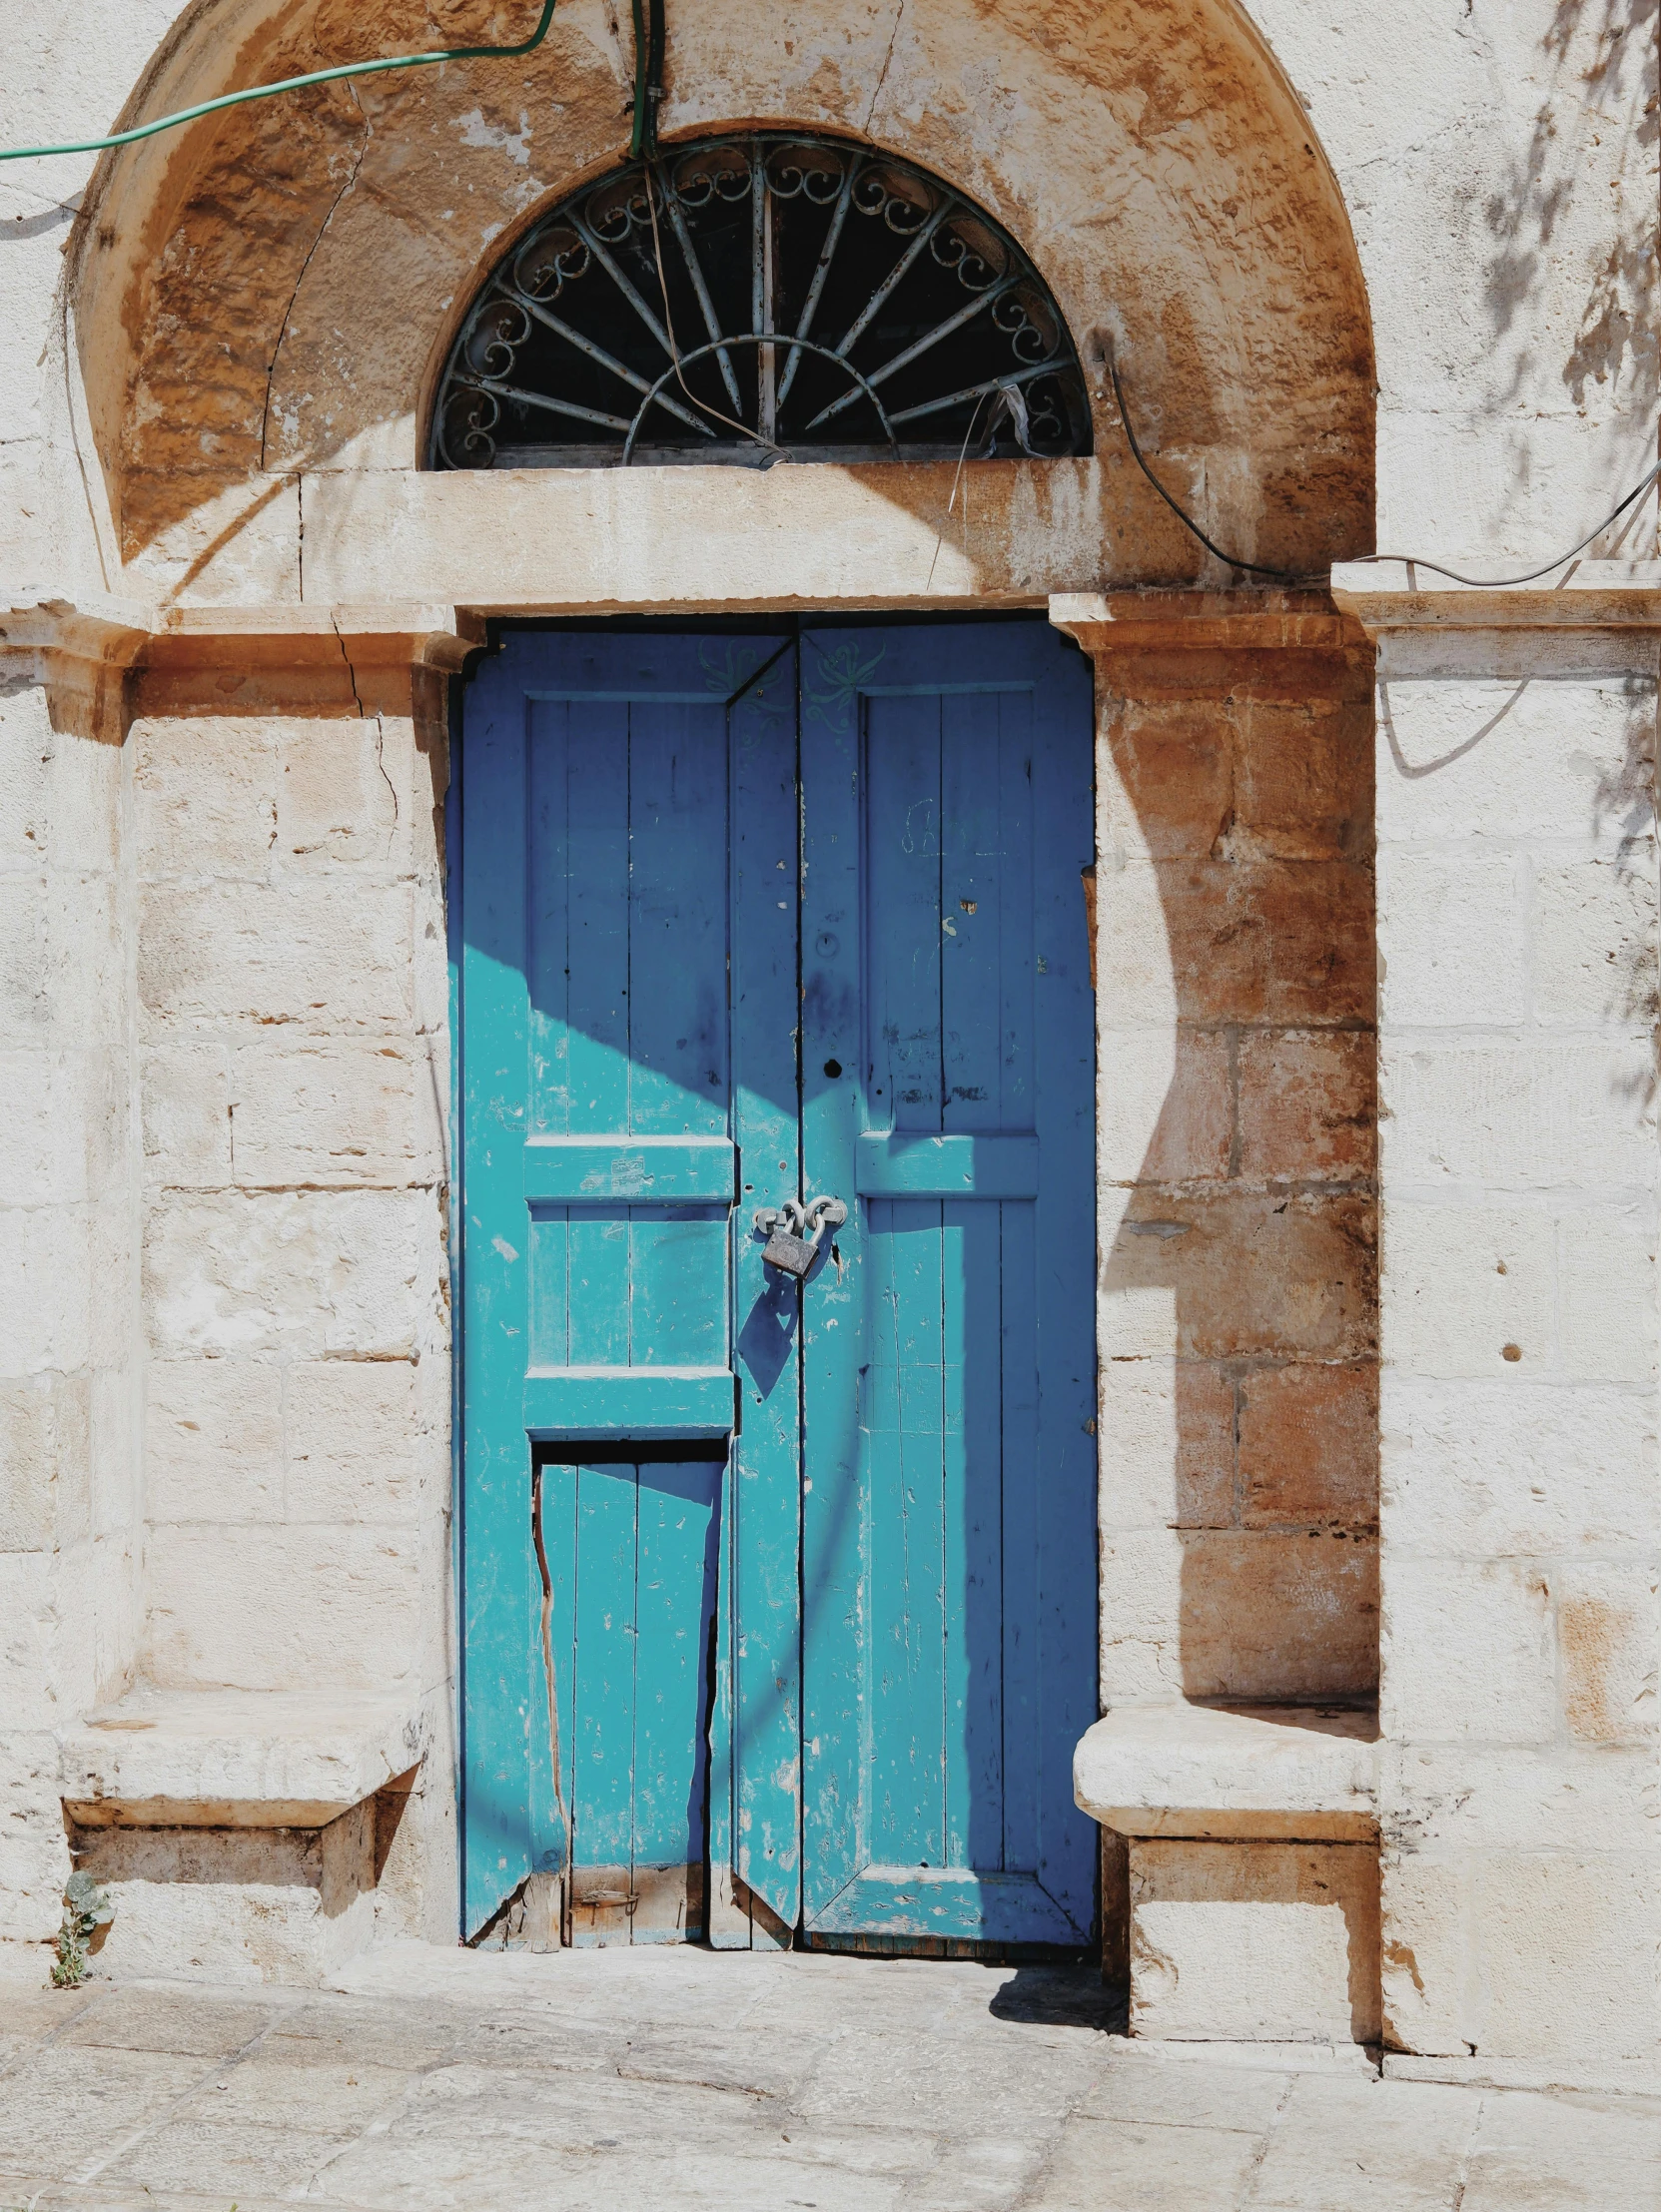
<point x="787" y="1250"/>
<point x="793" y="1233"/>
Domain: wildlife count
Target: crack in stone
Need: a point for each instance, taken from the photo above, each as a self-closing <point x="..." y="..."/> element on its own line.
<point x="322" y="231"/>
<point x="882" y="74"/>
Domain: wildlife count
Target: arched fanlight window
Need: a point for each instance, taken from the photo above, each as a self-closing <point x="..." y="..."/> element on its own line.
<point x="760" y="297"/>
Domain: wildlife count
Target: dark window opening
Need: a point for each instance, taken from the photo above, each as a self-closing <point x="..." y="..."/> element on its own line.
<point x="755" y="299"/>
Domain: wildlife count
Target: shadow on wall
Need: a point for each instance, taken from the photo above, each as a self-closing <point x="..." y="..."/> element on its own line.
<point x="1599" y="76"/>
<point x="1248" y="1240"/>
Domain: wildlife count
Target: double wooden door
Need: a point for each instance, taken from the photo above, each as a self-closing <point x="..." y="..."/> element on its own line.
<point x="778" y="1595"/>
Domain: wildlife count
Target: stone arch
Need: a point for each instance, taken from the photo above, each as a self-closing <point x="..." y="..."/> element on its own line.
<point x="271" y="292"/>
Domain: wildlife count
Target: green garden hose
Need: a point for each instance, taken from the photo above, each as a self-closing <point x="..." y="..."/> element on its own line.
<point x="288" y="84"/>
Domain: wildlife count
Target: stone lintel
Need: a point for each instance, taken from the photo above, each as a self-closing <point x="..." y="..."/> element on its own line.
<point x="1591" y="596"/>
<point x="1202" y="621"/>
<point x="124" y="632"/>
<point x="269" y="637"/>
<point x="93" y="651"/>
<point x="234" y="1757"/>
<point x="1305" y="1774"/>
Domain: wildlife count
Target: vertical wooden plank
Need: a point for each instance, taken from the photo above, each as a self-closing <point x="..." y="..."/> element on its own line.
<point x="1022" y="1536"/>
<point x="1025" y="1770"/>
<point x="547" y="981"/>
<point x="903" y="1471"/>
<point x="496" y="1580"/>
<point x="978" y="1002"/>
<point x="1013" y="769"/>
<point x="598" y="1239"/>
<point x="602" y="1884"/>
<point x="678" y="1539"/>
<point x="972" y="1572"/>
<point x="836" y="1728"/>
<point x="971" y="835"/>
<point x="599" y="1021"/>
<point x="553" y="1666"/>
<point x="755" y="1811"/>
<point x="902" y="855"/>
<point x="677" y="917"/>
<point x="547" y="918"/>
<point x="1064" y="1057"/>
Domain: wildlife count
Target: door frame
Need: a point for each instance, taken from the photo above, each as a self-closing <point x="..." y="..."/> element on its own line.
<point x="748" y="1921"/>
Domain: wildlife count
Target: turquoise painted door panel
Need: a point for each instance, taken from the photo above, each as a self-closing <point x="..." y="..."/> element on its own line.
<point x="636" y="1543"/>
<point x="625" y="991"/>
<point x="948" y="1362"/>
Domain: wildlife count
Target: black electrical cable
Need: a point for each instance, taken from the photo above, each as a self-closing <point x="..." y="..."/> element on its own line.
<point x="1505" y="583"/>
<point x="649" y="40"/>
<point x="1251" y="568"/>
<point x="1407" y="560"/>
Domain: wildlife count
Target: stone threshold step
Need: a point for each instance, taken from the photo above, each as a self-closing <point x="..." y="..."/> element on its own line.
<point x="1305" y="1774"/>
<point x="234" y="1757"/>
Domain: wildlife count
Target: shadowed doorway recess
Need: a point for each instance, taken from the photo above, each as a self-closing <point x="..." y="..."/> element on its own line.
<point x="760" y="298"/>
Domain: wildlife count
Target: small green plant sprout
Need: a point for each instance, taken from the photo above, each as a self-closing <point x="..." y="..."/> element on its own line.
<point x="87" y="1908"/>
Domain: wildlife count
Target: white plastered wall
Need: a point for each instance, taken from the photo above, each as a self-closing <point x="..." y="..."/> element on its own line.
<point x="1521" y="1513"/>
<point x="1499" y="165"/>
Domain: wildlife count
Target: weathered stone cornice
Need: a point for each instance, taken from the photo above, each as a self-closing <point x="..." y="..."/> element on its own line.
<point x="1592" y="595"/>
<point x="1202" y="621"/>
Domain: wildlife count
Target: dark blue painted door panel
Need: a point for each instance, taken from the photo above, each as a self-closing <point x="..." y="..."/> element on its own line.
<point x="653" y="830"/>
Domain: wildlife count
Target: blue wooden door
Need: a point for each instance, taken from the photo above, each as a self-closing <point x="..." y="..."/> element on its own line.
<point x="948" y="1360"/>
<point x="740" y="919"/>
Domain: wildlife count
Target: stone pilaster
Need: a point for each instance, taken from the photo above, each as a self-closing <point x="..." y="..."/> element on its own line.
<point x="1517" y="936"/>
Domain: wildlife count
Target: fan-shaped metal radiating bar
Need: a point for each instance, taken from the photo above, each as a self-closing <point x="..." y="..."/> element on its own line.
<point x="760" y="298"/>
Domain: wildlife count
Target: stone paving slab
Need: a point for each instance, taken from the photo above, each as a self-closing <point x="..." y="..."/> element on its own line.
<point x="689" y="2081"/>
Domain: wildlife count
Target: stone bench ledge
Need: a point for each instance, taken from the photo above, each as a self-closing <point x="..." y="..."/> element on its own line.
<point x="234" y="1757"/>
<point x="1289" y="1773"/>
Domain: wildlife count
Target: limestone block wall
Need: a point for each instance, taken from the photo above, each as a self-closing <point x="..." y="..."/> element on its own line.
<point x="292" y="1024"/>
<point x="70" y="1473"/>
<point x="1238" y="1365"/>
<point x="1521" y="1511"/>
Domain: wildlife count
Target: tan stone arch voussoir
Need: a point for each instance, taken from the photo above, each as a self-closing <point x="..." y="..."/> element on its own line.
<point x="267" y="295"/>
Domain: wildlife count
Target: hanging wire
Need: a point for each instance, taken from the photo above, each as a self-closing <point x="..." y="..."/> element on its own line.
<point x="1251" y="568"/>
<point x="1503" y="584"/>
<point x="1407" y="560"/>
<point x="291" y="84"/>
<point x="649" y="38"/>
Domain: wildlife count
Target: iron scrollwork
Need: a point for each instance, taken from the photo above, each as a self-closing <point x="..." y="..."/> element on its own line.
<point x="760" y="298"/>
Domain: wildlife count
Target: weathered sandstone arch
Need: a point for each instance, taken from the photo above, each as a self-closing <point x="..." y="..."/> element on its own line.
<point x="269" y="293"/>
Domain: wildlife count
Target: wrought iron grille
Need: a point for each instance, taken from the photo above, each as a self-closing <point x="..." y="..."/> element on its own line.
<point x="755" y="299"/>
